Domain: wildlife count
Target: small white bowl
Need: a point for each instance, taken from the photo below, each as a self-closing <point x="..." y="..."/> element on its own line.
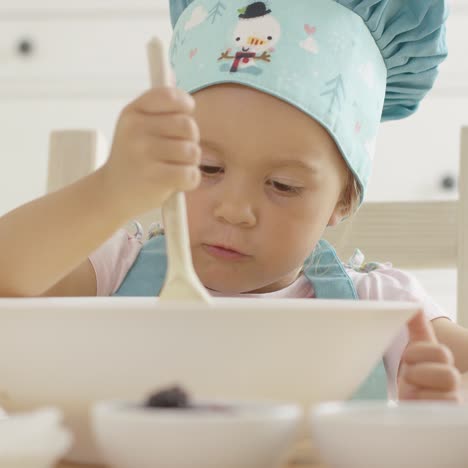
<point x="34" y="439"/>
<point x="386" y="435"/>
<point x="247" y="434"/>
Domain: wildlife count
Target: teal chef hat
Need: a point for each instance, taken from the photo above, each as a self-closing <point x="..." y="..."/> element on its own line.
<point x="349" y="64"/>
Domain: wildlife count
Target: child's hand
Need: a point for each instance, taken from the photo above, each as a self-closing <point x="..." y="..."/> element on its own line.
<point x="427" y="368"/>
<point x="155" y="151"/>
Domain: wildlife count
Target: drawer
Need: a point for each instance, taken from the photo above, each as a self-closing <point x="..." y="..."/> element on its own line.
<point x="416" y="154"/>
<point x="82" y="55"/>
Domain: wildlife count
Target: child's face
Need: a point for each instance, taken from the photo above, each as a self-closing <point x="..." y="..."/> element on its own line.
<point x="272" y="178"/>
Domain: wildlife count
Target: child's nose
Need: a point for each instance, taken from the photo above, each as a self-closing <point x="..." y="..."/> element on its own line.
<point x="252" y="40"/>
<point x="235" y="211"/>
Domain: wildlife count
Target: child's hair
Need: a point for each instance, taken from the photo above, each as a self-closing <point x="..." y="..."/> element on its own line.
<point x="351" y="195"/>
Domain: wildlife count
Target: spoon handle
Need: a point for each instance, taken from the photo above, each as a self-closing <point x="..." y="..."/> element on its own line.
<point x="181" y="279"/>
<point x="174" y="209"/>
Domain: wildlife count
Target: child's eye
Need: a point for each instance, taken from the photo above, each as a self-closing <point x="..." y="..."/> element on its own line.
<point x="285" y="188"/>
<point x="211" y="170"/>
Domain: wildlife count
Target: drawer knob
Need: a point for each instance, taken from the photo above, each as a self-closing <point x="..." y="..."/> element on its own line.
<point x="448" y="183"/>
<point x="25" y="47"/>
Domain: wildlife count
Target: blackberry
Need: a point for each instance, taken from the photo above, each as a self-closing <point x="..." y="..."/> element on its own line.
<point x="171" y="397"/>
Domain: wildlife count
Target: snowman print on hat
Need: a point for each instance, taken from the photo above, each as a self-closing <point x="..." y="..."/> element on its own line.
<point x="255" y="35"/>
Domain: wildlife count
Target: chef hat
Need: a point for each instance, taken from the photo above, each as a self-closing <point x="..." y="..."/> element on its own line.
<point x="349" y="64"/>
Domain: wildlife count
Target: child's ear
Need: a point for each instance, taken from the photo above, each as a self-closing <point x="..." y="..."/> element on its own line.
<point x="334" y="220"/>
<point x="338" y="214"/>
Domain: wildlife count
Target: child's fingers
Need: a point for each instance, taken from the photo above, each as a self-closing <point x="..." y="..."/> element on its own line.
<point x="179" y="152"/>
<point x="420" y="329"/>
<point x="181" y="178"/>
<point x="433" y="376"/>
<point x="177" y="126"/>
<point x="433" y="395"/>
<point x="428" y="352"/>
<point x="164" y="100"/>
<point x="427" y="371"/>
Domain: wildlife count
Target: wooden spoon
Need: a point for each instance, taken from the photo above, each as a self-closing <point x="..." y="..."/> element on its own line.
<point x="181" y="282"/>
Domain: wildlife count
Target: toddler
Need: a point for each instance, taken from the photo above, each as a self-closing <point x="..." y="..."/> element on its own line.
<point x="271" y="132"/>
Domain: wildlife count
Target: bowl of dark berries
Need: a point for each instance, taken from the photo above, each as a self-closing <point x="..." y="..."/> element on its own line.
<point x="171" y="430"/>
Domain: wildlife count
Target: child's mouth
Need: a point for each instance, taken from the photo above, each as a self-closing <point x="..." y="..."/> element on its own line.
<point x="225" y="253"/>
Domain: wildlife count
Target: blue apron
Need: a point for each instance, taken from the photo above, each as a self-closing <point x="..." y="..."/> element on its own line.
<point x="322" y="268"/>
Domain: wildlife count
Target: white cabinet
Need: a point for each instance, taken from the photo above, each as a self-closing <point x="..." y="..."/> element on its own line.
<point x="26" y="125"/>
<point x="417" y="157"/>
<point x="67" y="57"/>
<point x="458" y="6"/>
<point x="66" y="64"/>
<point x="453" y="78"/>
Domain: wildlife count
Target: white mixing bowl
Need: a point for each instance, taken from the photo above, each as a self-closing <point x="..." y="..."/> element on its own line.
<point x="71" y="352"/>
